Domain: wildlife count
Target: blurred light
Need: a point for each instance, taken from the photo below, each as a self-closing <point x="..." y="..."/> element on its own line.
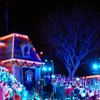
<point x="95" y="66"/>
<point x="49" y="68"/>
<point x="44" y="69"/>
<point x="25" y="94"/>
<point x="83" y="94"/>
<point x="46" y="60"/>
<point x="51" y="60"/>
<point x="99" y="66"/>
<point x="77" y="79"/>
<point x="2" y="44"/>
<point x="34" y="49"/>
<point x="53" y="76"/>
<point x="41" y="53"/>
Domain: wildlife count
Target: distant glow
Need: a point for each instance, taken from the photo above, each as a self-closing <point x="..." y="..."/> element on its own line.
<point x="41" y="53"/>
<point x="44" y="69"/>
<point x="95" y="66"/>
<point x="93" y="76"/>
<point x="46" y="60"/>
<point x="77" y="79"/>
<point x="51" y="60"/>
<point x="49" y="68"/>
<point x="53" y="76"/>
<point x="99" y="66"/>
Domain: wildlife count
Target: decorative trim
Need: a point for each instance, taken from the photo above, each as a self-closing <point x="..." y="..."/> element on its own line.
<point x="26" y="64"/>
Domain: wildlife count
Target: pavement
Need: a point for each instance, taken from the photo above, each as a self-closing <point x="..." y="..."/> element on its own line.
<point x="42" y="94"/>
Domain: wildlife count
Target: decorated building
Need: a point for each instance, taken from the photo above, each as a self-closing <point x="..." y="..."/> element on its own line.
<point x="19" y="57"/>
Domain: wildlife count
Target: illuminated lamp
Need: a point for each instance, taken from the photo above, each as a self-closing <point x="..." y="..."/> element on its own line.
<point x="44" y="69"/>
<point x="41" y="53"/>
<point x="77" y="79"/>
<point x="52" y="76"/>
<point x="51" y="60"/>
<point x="46" y="60"/>
<point x="95" y="66"/>
<point x="49" y="69"/>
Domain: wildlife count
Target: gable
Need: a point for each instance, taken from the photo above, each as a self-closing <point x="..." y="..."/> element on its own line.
<point x="22" y="44"/>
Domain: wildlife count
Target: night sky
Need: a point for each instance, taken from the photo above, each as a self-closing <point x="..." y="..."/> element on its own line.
<point x="24" y="16"/>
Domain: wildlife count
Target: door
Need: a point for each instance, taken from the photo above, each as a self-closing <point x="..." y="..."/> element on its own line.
<point x="29" y="78"/>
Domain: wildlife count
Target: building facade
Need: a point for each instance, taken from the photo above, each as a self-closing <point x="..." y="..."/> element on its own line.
<point x="19" y="57"/>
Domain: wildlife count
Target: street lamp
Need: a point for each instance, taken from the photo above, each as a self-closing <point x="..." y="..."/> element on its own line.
<point x="44" y="69"/>
<point x="49" y="68"/>
<point x="95" y="66"/>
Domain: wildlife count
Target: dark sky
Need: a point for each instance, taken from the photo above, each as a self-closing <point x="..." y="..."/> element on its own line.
<point x="25" y="15"/>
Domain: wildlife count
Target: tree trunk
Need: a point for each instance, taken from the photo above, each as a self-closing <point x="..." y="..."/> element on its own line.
<point x="72" y="72"/>
<point x="75" y="68"/>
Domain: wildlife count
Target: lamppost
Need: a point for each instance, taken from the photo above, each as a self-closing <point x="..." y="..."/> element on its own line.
<point x="52" y="66"/>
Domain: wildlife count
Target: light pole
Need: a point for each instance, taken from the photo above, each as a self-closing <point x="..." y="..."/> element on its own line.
<point x="52" y="66"/>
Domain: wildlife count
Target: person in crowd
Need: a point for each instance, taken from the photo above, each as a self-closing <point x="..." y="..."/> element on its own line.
<point x="1" y="90"/>
<point x="1" y="83"/>
<point x="6" y="92"/>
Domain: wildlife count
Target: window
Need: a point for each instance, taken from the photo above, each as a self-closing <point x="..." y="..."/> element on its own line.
<point x="26" y="53"/>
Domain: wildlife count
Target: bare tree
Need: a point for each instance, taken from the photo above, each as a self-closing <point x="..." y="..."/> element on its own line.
<point x="72" y="33"/>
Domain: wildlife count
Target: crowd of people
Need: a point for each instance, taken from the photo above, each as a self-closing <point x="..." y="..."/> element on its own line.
<point x="83" y="88"/>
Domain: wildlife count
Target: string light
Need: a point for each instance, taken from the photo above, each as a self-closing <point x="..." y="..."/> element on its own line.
<point x="2" y="44"/>
<point x="4" y="61"/>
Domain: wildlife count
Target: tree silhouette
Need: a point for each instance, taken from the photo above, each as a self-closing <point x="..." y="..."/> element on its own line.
<point x="72" y="33"/>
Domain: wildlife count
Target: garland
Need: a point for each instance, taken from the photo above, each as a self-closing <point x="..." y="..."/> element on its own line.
<point x="25" y="63"/>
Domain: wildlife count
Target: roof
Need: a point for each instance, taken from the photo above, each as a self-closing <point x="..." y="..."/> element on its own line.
<point x="13" y="49"/>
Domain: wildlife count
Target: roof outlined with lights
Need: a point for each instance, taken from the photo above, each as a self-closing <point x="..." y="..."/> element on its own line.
<point x="10" y="48"/>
